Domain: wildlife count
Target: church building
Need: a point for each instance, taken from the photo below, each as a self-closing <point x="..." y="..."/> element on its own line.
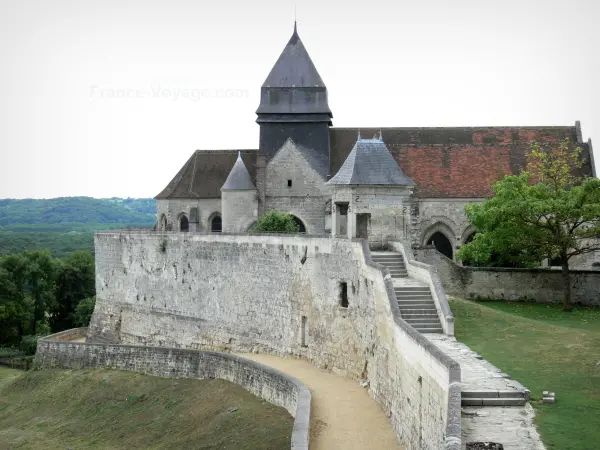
<point x="376" y="183"/>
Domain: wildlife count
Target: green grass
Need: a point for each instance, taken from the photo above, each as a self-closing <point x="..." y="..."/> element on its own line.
<point x="544" y="349"/>
<point x="106" y="409"/>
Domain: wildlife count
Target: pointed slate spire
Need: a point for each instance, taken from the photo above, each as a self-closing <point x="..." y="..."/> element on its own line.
<point x="293" y="85"/>
<point x="294" y="68"/>
<point x="239" y="178"/>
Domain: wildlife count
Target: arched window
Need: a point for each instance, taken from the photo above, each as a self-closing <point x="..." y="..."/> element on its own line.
<point x="216" y="225"/>
<point x="163" y="223"/>
<point x="300" y="224"/>
<point x="184" y="224"/>
<point x="441" y="243"/>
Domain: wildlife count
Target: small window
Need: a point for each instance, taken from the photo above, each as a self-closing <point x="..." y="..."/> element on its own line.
<point x="289" y="183"/>
<point x="343" y="294"/>
<point x="304" y="331"/>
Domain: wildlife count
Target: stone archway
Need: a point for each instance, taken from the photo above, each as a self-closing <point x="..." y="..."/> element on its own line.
<point x="162" y="224"/>
<point x="301" y="226"/>
<point x="184" y="223"/>
<point x="216" y="224"/>
<point x="441" y="243"/>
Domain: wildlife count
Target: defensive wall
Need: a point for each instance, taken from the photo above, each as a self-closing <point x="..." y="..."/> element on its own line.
<point x="536" y="285"/>
<point x="281" y="294"/>
<point x="58" y="350"/>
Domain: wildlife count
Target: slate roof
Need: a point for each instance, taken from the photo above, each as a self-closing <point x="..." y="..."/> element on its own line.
<point x="294" y="68"/>
<point x="370" y="163"/>
<point x="205" y="172"/>
<point x="293" y="86"/>
<point x="239" y="178"/>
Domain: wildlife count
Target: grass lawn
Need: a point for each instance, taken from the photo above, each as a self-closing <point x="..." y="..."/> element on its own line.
<point x="109" y="409"/>
<point x="544" y="349"/>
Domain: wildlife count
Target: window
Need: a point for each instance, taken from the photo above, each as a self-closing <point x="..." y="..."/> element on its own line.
<point x="304" y="331"/>
<point x="289" y="183"/>
<point x="343" y="294"/>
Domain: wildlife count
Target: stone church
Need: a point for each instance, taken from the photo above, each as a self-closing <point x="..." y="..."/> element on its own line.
<point x="379" y="183"/>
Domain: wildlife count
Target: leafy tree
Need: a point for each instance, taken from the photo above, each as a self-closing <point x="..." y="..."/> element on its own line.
<point x="276" y="222"/>
<point x="546" y="211"/>
<point x="84" y="310"/>
<point x="39" y="281"/>
<point x="74" y="282"/>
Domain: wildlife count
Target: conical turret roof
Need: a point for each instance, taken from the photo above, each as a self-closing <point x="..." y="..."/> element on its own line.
<point x="239" y="178"/>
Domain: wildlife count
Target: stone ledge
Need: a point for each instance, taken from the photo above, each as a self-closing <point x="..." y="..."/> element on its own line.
<point x="59" y="350"/>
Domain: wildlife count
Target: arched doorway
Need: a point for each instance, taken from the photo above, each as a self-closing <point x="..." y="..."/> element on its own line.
<point x="216" y="224"/>
<point x="184" y="223"/>
<point x="470" y="237"/>
<point x="163" y="223"/>
<point x="441" y="243"/>
<point x="300" y="224"/>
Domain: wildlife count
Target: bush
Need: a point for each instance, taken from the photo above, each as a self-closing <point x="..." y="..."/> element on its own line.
<point x="29" y="344"/>
<point x="276" y="222"/>
<point x="84" y="310"/>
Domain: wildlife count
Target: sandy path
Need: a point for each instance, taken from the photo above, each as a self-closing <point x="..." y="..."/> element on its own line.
<point x="343" y="415"/>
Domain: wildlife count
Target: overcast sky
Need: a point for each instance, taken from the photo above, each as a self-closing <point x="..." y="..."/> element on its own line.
<point x="110" y="98"/>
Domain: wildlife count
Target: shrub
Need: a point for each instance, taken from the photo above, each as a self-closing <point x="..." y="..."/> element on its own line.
<point x="276" y="222"/>
<point x="29" y="344"/>
<point x="84" y="310"/>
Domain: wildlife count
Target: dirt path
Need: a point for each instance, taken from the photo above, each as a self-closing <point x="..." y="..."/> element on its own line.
<point x="343" y="415"/>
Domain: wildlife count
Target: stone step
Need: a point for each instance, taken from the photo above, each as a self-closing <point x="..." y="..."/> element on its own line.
<point x="416" y="300"/>
<point x="421" y="308"/>
<point x="415" y="290"/>
<point x="504" y="401"/>
<point x="429" y="330"/>
<point x="418" y="316"/>
<point x="416" y="295"/>
<point x="495" y="394"/>
<point x="387" y="256"/>
<point x="424" y="325"/>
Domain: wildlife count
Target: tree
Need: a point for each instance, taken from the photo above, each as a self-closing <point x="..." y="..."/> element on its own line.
<point x="545" y="212"/>
<point x="276" y="222"/>
<point x="84" y="310"/>
<point x="39" y="282"/>
<point x="74" y="282"/>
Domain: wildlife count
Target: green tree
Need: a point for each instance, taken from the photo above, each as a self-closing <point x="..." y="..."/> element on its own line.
<point x="39" y="282"/>
<point x="74" y="282"/>
<point x="276" y="222"/>
<point x="84" y="310"/>
<point x="546" y="211"/>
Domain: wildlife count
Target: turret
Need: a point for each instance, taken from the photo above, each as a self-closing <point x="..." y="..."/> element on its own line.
<point x="293" y="103"/>
<point x="239" y="201"/>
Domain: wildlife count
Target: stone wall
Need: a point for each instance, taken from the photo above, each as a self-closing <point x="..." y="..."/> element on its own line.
<point x="255" y="293"/>
<point x="537" y="285"/>
<point x="265" y="382"/>
<point x="307" y="195"/>
<point x="173" y="208"/>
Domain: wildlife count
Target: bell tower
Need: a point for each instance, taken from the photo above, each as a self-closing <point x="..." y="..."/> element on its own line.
<point x="293" y="103"/>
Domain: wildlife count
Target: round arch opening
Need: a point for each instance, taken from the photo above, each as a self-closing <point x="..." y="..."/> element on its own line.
<point x="441" y="243"/>
<point x="301" y="226"/>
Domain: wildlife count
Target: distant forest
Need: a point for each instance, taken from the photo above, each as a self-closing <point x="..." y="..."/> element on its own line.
<point x="67" y="224"/>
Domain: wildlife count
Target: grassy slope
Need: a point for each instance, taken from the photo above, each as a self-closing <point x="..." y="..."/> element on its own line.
<point x="545" y="349"/>
<point x="112" y="409"/>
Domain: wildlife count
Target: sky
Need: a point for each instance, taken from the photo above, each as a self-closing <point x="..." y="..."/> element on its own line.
<point x="111" y="98"/>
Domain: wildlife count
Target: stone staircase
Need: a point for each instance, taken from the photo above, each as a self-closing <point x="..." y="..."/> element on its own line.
<point x="414" y="298"/>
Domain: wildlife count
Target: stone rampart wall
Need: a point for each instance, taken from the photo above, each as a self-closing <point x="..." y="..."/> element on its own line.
<point x="279" y="294"/>
<point x="537" y="285"/>
<point x="265" y="382"/>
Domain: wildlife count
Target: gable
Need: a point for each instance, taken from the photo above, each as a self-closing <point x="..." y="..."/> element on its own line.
<point x="304" y="167"/>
